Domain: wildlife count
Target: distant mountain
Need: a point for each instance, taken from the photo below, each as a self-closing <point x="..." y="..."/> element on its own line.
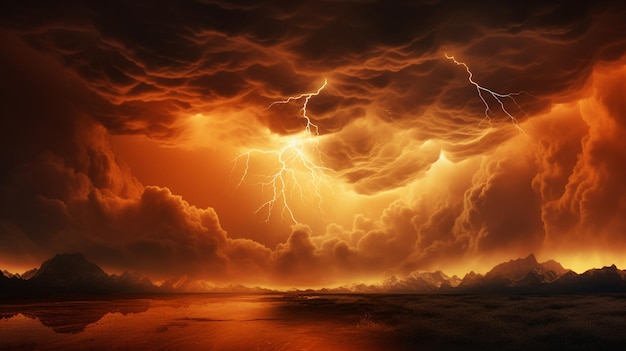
<point x="10" y="282"/>
<point x="6" y="274"/>
<point x="514" y="269"/>
<point x="527" y="269"/>
<point x="470" y="279"/>
<point x="73" y="274"/>
<point x="554" y="266"/>
<point x="186" y="284"/>
<point x="130" y="281"/>
<point x="69" y="272"/>
<point x="420" y="281"/>
<point x="608" y="279"/>
<point x="520" y="275"/>
<point x="26" y="275"/>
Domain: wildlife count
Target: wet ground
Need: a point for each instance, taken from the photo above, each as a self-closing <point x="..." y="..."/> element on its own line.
<point x="316" y="322"/>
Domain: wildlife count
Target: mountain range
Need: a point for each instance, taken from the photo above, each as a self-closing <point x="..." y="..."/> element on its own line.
<point x="523" y="275"/>
<point x="73" y="274"/>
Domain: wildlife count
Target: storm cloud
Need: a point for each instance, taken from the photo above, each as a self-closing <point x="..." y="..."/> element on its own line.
<point x="423" y="176"/>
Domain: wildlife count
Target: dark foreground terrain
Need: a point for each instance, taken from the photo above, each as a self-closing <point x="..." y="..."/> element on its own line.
<point x="317" y="322"/>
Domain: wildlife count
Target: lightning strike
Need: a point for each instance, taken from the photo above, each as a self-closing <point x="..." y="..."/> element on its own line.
<point x="307" y="97"/>
<point x="499" y="97"/>
<point x="291" y="159"/>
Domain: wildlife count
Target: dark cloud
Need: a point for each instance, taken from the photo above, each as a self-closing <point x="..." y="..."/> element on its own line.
<point x="155" y="65"/>
<point x="395" y="115"/>
<point x="153" y="62"/>
<point x="587" y="207"/>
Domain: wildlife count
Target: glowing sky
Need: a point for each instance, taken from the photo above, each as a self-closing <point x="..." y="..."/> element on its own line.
<point x="146" y="136"/>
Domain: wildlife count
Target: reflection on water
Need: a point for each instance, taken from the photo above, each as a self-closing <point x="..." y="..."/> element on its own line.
<point x="190" y="322"/>
<point x="322" y="322"/>
<point x="73" y="316"/>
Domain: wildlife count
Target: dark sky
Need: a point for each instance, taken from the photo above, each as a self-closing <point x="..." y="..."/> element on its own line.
<point x="143" y="135"/>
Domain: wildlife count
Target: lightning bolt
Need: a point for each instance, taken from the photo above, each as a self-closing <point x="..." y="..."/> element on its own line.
<point x="291" y="158"/>
<point x="498" y="97"/>
<point x="307" y="97"/>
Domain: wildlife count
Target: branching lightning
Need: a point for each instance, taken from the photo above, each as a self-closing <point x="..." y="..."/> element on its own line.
<point x="291" y="158"/>
<point x="293" y="162"/>
<point x="498" y="97"/>
<point x="309" y="125"/>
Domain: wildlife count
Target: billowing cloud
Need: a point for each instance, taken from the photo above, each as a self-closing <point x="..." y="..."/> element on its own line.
<point x="588" y="206"/>
<point x="419" y="174"/>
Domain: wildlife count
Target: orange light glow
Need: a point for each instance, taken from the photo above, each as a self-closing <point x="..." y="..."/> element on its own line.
<point x="203" y="141"/>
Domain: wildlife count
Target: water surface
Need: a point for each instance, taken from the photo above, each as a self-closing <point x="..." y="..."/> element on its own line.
<point x="316" y="322"/>
<point x="190" y="322"/>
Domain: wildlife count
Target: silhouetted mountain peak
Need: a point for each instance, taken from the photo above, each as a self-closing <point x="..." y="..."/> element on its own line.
<point x="29" y="274"/>
<point x="470" y="279"/>
<point x="72" y="273"/>
<point x="26" y="275"/>
<point x="567" y="277"/>
<point x="599" y="280"/>
<point x="552" y="265"/>
<point x="132" y="279"/>
<point x="523" y="274"/>
<point x="68" y="270"/>
<point x="514" y="269"/>
<point x="419" y="281"/>
<point x="536" y="277"/>
<point x="607" y="272"/>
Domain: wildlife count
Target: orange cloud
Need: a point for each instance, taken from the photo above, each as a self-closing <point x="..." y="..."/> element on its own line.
<point x="418" y="178"/>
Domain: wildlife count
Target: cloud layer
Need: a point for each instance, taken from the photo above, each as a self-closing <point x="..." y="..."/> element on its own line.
<point x="401" y="127"/>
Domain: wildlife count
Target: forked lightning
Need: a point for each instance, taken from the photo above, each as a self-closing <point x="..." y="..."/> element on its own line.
<point x="291" y="158"/>
<point x="499" y="97"/>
